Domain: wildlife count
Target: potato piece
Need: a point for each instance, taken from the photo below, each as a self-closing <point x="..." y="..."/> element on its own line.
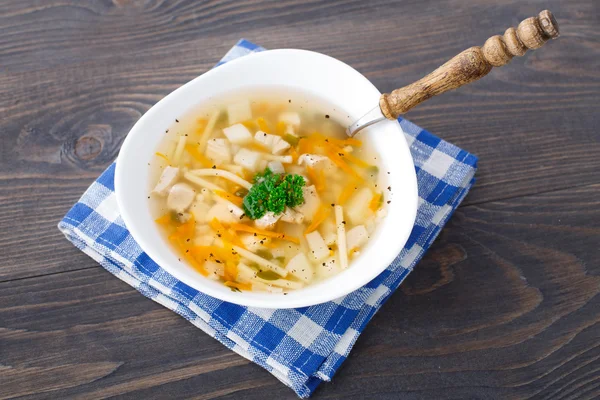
<point x="218" y="151"/>
<point x="200" y="211"/>
<point x="276" y="167"/>
<point x="356" y="237"/>
<point x="166" y="181"/>
<point x="238" y="134"/>
<point x="292" y="216"/>
<point x="239" y="112"/>
<point x="311" y="202"/>
<point x="267" y="221"/>
<point x="357" y="208"/>
<point x="290" y="118"/>
<point x="273" y="142"/>
<point x="247" y="158"/>
<point x="328" y="268"/>
<point x="318" y="249"/>
<point x="253" y="243"/>
<point x="300" y="267"/>
<point x="221" y="212"/>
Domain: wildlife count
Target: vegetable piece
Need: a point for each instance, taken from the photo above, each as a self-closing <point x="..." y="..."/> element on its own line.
<point x="220" y="212"/>
<point x="328" y="268"/>
<point x="316" y="177"/>
<point x="261" y="232"/>
<point x="337" y="160"/>
<point x="238" y="134"/>
<point x="292" y="216"/>
<point x="263" y="125"/>
<point x="196" y="155"/>
<point x="247" y="158"/>
<point x="267" y="221"/>
<point x="239" y="112"/>
<point x="233" y="209"/>
<point x="260" y="261"/>
<point x="233" y="199"/>
<point x="290" y="118"/>
<point x="201" y="182"/>
<point x="341" y="231"/>
<point x="254" y="243"/>
<point x="291" y="139"/>
<point x="273" y="192"/>
<point x="224" y="174"/>
<point x="218" y="151"/>
<point x="300" y="267"/>
<point x="311" y="159"/>
<point x="161" y="155"/>
<point x="237" y="285"/>
<point x="206" y="134"/>
<point x="273" y="143"/>
<point x="180" y="197"/>
<point x="328" y="231"/>
<point x="311" y="202"/>
<point x="276" y="167"/>
<point x="320" y="216"/>
<point x="356" y="207"/>
<point x="347" y="191"/>
<point x="200" y="210"/>
<point x="214" y="269"/>
<point x="179" y="149"/>
<point x="356" y="237"/>
<point x="318" y="249"/>
<point x="375" y="202"/>
<point x="166" y="181"/>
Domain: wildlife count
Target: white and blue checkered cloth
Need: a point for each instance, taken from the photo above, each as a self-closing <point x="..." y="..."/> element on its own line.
<point x="301" y="347"/>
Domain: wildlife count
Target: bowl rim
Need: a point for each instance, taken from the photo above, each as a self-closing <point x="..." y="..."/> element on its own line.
<point x="250" y="299"/>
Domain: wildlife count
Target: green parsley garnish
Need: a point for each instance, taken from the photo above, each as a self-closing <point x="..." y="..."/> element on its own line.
<point x="273" y="192"/>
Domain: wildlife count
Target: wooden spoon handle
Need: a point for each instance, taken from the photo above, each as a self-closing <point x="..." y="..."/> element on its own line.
<point x="472" y="64"/>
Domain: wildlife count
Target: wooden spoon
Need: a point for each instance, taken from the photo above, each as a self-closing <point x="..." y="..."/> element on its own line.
<point x="466" y="67"/>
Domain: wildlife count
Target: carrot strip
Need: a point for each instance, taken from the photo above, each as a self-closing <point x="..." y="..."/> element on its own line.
<point x="258" y="147"/>
<point x="318" y="178"/>
<point x="250" y="125"/>
<point x="193" y="150"/>
<point x="320" y="216"/>
<point x="263" y="125"/>
<point x="347" y="192"/>
<point x="164" y="220"/>
<point x="294" y="154"/>
<point x="238" y="201"/>
<point x="262" y="232"/>
<point x="375" y="201"/>
<point x="161" y="155"/>
<point x="225" y="233"/>
<point x="280" y="128"/>
<point x="230" y="273"/>
<point x="337" y="160"/>
<point x="237" y="285"/>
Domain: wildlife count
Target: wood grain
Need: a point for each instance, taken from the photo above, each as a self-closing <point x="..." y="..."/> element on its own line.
<point x="503" y="306"/>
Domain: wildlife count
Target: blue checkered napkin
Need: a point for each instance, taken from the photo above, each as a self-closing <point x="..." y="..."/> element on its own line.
<point x="301" y="347"/>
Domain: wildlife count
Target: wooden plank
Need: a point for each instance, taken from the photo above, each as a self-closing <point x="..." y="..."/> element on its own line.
<point x="505" y="305"/>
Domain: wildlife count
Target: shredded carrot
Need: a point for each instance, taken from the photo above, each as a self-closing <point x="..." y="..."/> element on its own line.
<point x="164" y="220"/>
<point x="258" y="147"/>
<point x="294" y="154"/>
<point x="202" y="122"/>
<point x="231" y="237"/>
<point x="375" y="202"/>
<point x="195" y="263"/>
<point x="316" y="177"/>
<point x="320" y="216"/>
<point x="262" y="232"/>
<point x="193" y="150"/>
<point x="161" y="155"/>
<point x="250" y="125"/>
<point x="232" y="198"/>
<point x="347" y="192"/>
<point x="337" y="160"/>
<point x="263" y="125"/>
<point x="187" y="229"/>
<point x="237" y="285"/>
<point x="280" y="128"/>
<point x="230" y="273"/>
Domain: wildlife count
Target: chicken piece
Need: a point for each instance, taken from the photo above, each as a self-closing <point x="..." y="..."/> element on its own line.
<point x="221" y="212"/>
<point x="312" y="159"/>
<point x="300" y="267"/>
<point x="247" y="158"/>
<point x="267" y="221"/>
<point x="356" y="237"/>
<point x="218" y="151"/>
<point x="238" y="134"/>
<point x="273" y="142"/>
<point x="239" y="112"/>
<point x="180" y="197"/>
<point x="167" y="179"/>
<point x="318" y="249"/>
<point x="292" y="216"/>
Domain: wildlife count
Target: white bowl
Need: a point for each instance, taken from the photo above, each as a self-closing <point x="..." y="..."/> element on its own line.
<point x="323" y="76"/>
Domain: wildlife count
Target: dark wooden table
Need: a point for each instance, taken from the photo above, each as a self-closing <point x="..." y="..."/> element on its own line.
<point x="505" y="304"/>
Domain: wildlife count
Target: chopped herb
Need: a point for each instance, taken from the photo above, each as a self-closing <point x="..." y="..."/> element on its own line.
<point x="234" y="289"/>
<point x="267" y="275"/>
<point x="291" y="139"/>
<point x="273" y="192"/>
<point x="264" y="254"/>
